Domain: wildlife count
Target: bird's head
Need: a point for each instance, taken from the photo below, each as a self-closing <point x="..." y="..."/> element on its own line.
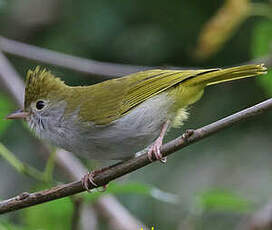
<point x="44" y="95"/>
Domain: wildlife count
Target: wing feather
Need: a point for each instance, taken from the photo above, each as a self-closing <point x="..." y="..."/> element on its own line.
<point x="117" y="97"/>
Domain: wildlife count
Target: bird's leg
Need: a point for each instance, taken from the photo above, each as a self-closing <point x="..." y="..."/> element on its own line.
<point x="89" y="177"/>
<point x="155" y="148"/>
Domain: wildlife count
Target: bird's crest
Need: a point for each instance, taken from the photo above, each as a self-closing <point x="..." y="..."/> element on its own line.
<point x="41" y="84"/>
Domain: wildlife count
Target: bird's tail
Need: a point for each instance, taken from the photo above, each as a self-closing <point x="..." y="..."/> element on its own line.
<point x="216" y="76"/>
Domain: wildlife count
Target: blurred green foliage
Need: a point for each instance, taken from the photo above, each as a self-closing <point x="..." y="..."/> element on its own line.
<point x="7" y="225"/>
<point x="224" y="201"/>
<point x="134" y="188"/>
<point x="262" y="46"/>
<point x="52" y="215"/>
<point x="6" y="106"/>
<point x="149" y="33"/>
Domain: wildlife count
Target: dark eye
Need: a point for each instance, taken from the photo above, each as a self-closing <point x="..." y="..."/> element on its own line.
<point x="40" y="105"/>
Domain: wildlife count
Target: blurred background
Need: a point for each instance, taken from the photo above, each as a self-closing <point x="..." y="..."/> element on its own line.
<point x="218" y="183"/>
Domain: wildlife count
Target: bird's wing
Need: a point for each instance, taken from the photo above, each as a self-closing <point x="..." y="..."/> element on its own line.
<point x="114" y="98"/>
<point x="154" y="82"/>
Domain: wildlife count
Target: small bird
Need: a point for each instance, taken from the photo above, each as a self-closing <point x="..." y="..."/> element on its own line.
<point x="117" y="118"/>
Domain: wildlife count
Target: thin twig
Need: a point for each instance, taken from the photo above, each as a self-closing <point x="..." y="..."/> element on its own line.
<point x="124" y="219"/>
<point x="131" y="165"/>
<point x="19" y="166"/>
<point x="82" y="65"/>
<point x="78" y="64"/>
<point x="11" y="80"/>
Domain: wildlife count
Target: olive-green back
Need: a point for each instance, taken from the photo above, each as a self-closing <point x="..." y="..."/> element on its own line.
<point x="111" y="99"/>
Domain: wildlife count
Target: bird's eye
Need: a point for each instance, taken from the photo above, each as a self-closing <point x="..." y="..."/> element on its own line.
<point x="40" y="105"/>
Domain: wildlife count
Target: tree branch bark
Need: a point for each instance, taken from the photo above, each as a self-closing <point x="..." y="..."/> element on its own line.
<point x="26" y="200"/>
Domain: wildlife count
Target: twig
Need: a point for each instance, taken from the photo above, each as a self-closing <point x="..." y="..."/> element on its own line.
<point x="19" y="166"/>
<point x="81" y="65"/>
<point x="11" y="80"/>
<point x="66" y="160"/>
<point x="126" y="167"/>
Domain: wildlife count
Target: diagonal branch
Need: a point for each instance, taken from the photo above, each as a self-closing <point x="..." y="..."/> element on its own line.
<point x="103" y="178"/>
<point x="78" y="64"/>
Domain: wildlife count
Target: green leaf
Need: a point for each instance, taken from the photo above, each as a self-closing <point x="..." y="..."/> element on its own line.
<point x="134" y="188"/>
<point x="5" y="108"/>
<point x="218" y="200"/>
<point x="262" y="46"/>
<point x="52" y="215"/>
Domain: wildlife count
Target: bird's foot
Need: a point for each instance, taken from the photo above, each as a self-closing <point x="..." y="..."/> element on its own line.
<point x="155" y="148"/>
<point x="88" y="179"/>
<point x="155" y="151"/>
<point x="187" y="134"/>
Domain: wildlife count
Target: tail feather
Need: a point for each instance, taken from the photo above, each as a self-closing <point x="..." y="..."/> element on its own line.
<point x="229" y="74"/>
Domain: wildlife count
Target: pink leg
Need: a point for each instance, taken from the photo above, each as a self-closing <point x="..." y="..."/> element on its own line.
<point x="155" y="148"/>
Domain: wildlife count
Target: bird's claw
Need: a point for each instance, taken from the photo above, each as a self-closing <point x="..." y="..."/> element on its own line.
<point x="88" y="180"/>
<point x="155" y="150"/>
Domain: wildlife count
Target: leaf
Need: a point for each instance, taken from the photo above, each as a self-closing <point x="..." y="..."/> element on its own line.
<point x="134" y="188"/>
<point x="5" y="108"/>
<point x="261" y="46"/>
<point x="218" y="200"/>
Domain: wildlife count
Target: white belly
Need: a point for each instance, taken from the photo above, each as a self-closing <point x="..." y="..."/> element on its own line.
<point x="119" y="140"/>
<point x="129" y="134"/>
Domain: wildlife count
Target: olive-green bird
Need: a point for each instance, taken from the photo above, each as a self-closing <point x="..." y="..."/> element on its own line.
<point x="117" y="118"/>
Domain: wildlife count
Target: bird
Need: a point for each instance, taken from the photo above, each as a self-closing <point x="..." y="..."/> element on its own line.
<point x="117" y="118"/>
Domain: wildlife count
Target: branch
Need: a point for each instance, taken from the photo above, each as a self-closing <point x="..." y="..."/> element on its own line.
<point x="11" y="80"/>
<point x="82" y="65"/>
<point x="118" y="170"/>
<point x="19" y="166"/>
<point x="107" y="205"/>
<point x="78" y="64"/>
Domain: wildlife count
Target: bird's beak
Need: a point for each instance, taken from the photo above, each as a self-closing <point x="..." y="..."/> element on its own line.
<point x="19" y="114"/>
